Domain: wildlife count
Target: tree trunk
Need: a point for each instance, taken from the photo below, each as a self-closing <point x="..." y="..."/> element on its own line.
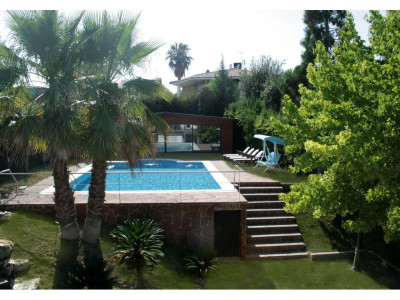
<point x="356" y="261"/>
<point x="26" y="164"/>
<point x="92" y="226"/>
<point x="65" y="263"/>
<point x="64" y="201"/>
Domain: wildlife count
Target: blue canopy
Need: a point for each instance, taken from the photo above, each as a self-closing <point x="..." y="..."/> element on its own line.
<point x="272" y="139"/>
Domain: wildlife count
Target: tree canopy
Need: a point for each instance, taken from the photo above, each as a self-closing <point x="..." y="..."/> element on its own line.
<point x="348" y="125"/>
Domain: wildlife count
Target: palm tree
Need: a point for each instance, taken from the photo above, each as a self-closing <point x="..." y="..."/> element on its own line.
<point x="119" y="124"/>
<point x="48" y="43"/>
<point x="21" y="118"/>
<point x="179" y="61"/>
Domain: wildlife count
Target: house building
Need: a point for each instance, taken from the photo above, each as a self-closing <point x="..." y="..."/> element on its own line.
<point x="187" y="86"/>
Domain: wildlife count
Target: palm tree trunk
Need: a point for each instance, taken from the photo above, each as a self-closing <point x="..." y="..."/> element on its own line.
<point x="356" y="261"/>
<point x="92" y="226"/>
<point x="64" y="201"/>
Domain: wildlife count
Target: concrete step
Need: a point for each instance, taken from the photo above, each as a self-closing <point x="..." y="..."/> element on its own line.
<point x="253" y="212"/>
<point x="261" y="196"/>
<point x="260" y="189"/>
<point x="258" y="256"/>
<point x="265" y="204"/>
<point x="276" y="248"/>
<point x="275" y="228"/>
<point x="273" y="238"/>
<point x="271" y="220"/>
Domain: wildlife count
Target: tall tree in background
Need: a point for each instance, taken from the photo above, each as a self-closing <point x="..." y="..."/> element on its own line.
<point x="323" y="26"/>
<point x="179" y="59"/>
<point x="224" y="89"/>
<point x="349" y="125"/>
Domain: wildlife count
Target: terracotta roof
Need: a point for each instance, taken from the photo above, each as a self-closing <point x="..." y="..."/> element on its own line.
<point x="235" y="73"/>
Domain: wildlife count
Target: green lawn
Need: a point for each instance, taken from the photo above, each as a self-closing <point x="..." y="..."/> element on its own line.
<point x="323" y="235"/>
<point x="7" y="184"/>
<point x="36" y="237"/>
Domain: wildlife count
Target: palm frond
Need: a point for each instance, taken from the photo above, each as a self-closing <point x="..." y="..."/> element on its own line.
<point x="146" y="87"/>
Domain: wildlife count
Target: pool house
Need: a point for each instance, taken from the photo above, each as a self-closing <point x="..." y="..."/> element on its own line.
<point x="196" y="133"/>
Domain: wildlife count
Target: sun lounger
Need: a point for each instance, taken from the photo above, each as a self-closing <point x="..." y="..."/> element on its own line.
<point x="248" y="160"/>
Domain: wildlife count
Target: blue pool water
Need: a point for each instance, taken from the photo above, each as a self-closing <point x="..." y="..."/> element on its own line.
<point x="168" y="179"/>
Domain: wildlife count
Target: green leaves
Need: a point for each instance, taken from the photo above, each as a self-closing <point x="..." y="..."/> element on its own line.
<point x="345" y="128"/>
<point x="201" y="263"/>
<point x="138" y="243"/>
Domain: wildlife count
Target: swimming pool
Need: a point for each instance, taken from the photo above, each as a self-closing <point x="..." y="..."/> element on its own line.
<point x="159" y="175"/>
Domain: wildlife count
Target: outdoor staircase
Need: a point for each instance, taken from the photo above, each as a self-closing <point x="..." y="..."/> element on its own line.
<point x="271" y="232"/>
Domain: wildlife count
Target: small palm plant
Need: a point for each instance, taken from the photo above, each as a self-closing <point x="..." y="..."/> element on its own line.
<point x="91" y="274"/>
<point x="201" y="263"/>
<point x="139" y="243"/>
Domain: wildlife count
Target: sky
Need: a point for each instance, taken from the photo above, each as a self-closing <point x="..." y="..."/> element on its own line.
<point x="238" y="31"/>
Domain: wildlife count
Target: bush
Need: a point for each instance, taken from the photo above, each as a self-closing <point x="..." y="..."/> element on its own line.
<point x="139" y="243"/>
<point x="201" y="263"/>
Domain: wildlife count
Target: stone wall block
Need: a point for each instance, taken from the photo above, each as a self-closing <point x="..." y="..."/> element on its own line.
<point x="20" y="265"/>
<point x="6" y="248"/>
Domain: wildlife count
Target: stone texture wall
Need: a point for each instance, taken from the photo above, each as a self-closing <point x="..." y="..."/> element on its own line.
<point x="186" y="225"/>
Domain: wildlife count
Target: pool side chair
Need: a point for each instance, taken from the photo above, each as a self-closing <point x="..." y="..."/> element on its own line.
<point x="249" y="154"/>
<point x="249" y="159"/>
<point x="244" y="151"/>
<point x="236" y="154"/>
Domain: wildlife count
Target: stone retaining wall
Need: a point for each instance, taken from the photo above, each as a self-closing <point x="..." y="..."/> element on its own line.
<point x="186" y="225"/>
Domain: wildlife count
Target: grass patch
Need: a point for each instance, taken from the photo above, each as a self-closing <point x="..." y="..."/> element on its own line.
<point x="323" y="235"/>
<point x="7" y="185"/>
<point x="278" y="174"/>
<point x="290" y="274"/>
<point x="36" y="238"/>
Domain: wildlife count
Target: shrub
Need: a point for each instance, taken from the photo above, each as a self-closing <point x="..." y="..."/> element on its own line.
<point x="201" y="263"/>
<point x="139" y="243"/>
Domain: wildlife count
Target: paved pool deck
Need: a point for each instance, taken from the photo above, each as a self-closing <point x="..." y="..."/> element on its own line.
<point x="32" y="195"/>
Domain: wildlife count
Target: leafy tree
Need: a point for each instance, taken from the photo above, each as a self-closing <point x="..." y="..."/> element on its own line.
<point x="224" y="89"/>
<point x="207" y="104"/>
<point x="261" y="82"/>
<point x="179" y="59"/>
<point x="48" y="43"/>
<point x="118" y="123"/>
<point x="323" y="26"/>
<point x="246" y="111"/>
<point x="348" y="125"/>
<point x="139" y="243"/>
